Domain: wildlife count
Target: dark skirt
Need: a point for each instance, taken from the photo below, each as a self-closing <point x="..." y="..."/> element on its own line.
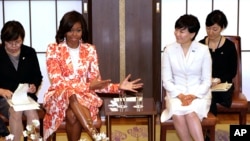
<point x="4" y="108"/>
<point x="223" y="98"/>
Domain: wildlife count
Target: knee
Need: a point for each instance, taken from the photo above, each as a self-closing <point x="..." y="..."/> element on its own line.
<point x="70" y="117"/>
<point x="16" y="115"/>
<point x="31" y="115"/>
<point x="192" y="116"/>
<point x="72" y="98"/>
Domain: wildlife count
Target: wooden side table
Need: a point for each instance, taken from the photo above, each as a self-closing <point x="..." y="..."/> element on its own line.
<point x="148" y="111"/>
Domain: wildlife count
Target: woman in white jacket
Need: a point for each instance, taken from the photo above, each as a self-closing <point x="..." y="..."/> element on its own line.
<point x="186" y="76"/>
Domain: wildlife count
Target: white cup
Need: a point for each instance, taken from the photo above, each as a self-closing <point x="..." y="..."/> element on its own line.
<point x="139" y="100"/>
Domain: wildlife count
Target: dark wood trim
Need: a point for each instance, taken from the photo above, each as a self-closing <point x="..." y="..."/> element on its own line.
<point x="157" y="54"/>
<point x="248" y="111"/>
<point x="88" y="18"/>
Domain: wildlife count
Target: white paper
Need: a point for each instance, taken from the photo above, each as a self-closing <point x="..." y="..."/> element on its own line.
<point x="128" y="99"/>
<point x="221" y="87"/>
<point x="20" y="100"/>
<point x="20" y="95"/>
<point x="22" y="107"/>
<point x="113" y="109"/>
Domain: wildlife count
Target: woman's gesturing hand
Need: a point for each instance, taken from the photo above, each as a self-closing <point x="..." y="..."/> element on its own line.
<point x="130" y="85"/>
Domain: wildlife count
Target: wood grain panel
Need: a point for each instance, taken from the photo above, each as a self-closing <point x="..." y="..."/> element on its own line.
<point x="105" y="35"/>
<point x="139" y="37"/>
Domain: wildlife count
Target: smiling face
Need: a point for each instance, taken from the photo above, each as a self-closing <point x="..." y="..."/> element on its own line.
<point x="183" y="36"/>
<point x="74" y="35"/>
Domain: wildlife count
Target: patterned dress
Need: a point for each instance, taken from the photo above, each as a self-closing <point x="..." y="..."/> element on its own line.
<point x="66" y="82"/>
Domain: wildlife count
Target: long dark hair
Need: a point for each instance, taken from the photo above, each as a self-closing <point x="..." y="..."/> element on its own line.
<point x="67" y="22"/>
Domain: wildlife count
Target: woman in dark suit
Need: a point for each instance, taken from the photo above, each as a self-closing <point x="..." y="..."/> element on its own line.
<point x="224" y="58"/>
<point x="19" y="64"/>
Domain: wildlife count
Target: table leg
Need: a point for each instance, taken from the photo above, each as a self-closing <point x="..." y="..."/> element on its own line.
<point x="108" y="127"/>
<point x="151" y="128"/>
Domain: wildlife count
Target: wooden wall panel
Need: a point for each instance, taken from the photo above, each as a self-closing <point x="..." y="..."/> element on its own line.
<point x="139" y="51"/>
<point x="105" y="36"/>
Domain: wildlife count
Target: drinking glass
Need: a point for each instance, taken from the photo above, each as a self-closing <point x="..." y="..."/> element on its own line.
<point x="139" y="100"/>
<point x="122" y="103"/>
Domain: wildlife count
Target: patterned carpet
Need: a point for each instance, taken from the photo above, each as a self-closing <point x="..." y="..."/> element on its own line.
<point x="139" y="133"/>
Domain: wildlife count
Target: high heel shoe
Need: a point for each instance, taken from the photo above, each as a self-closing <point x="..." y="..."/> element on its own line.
<point x="96" y="136"/>
<point x="93" y="131"/>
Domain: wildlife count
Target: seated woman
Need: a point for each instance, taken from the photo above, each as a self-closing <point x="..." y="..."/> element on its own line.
<point x="72" y="65"/>
<point x="19" y="64"/>
<point x="186" y="76"/>
<point x="224" y="58"/>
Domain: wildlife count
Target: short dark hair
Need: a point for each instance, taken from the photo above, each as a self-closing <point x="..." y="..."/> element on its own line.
<point x="190" y="22"/>
<point x="67" y="22"/>
<point x="12" y="30"/>
<point x="216" y="17"/>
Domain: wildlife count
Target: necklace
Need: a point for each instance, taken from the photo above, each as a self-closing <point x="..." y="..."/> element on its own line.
<point x="213" y="49"/>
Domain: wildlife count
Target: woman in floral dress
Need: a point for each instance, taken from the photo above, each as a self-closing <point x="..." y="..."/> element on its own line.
<point x="73" y="70"/>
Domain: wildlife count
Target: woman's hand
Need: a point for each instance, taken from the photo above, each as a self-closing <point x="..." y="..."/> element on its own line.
<point x="130" y="85"/>
<point x="32" y="88"/>
<point x="215" y="81"/>
<point x="182" y="99"/>
<point x="186" y="99"/>
<point x="99" y="84"/>
<point x="189" y="99"/>
<point x="6" y="93"/>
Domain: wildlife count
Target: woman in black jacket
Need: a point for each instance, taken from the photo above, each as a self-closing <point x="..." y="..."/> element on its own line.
<point x="224" y="58"/>
<point x="19" y="64"/>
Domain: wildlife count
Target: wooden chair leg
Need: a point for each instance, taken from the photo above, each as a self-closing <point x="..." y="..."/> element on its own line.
<point x="242" y="118"/>
<point x="212" y="134"/>
<point x="54" y="137"/>
<point x="163" y="134"/>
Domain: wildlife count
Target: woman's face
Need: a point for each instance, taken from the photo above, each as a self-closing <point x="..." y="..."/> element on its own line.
<point x="183" y="36"/>
<point x="213" y="31"/>
<point x="74" y="35"/>
<point x="14" y="46"/>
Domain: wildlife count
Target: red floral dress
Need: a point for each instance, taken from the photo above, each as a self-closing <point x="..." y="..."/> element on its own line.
<point x="65" y="82"/>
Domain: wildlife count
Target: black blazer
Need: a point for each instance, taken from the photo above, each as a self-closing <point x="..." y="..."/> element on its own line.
<point x="28" y="70"/>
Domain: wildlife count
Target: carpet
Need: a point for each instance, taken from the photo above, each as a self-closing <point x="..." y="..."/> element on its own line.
<point x="140" y="133"/>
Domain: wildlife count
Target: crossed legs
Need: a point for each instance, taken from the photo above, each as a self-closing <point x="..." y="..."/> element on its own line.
<point x="78" y="117"/>
<point x="188" y="127"/>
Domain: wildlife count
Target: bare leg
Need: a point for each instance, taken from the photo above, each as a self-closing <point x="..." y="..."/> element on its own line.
<point x="73" y="127"/>
<point x="83" y="115"/>
<point x="15" y="123"/>
<point x="181" y="127"/>
<point x="194" y="125"/>
<point x="32" y="115"/>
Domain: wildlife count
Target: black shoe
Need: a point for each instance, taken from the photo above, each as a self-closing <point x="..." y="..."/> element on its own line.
<point x="4" y="134"/>
<point x="207" y="138"/>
